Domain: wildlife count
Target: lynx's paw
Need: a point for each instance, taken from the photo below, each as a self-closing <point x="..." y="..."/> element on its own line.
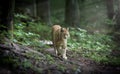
<point x="65" y="57"/>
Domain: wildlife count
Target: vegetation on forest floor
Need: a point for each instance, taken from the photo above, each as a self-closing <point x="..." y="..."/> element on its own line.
<point x="25" y="36"/>
<point x="96" y="46"/>
<point x="84" y="48"/>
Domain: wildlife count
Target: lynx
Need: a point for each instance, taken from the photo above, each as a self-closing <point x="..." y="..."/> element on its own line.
<point x="59" y="39"/>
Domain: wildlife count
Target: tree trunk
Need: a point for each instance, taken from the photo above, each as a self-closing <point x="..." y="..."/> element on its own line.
<point x="110" y="9"/>
<point x="43" y="9"/>
<point x="6" y="18"/>
<point x="117" y="26"/>
<point x="35" y="8"/>
<point x="72" y="13"/>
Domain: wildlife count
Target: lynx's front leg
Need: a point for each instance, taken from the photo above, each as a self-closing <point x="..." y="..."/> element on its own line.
<point x="64" y="49"/>
<point x="64" y="54"/>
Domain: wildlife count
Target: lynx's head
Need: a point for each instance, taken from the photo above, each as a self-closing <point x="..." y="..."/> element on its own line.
<point x="65" y="33"/>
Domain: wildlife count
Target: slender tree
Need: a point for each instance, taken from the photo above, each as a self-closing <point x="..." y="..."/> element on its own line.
<point x="110" y="8"/>
<point x="43" y="11"/>
<point x="117" y="26"/>
<point x="35" y="8"/>
<point x="6" y="17"/>
<point x="72" y="13"/>
<point x="116" y="16"/>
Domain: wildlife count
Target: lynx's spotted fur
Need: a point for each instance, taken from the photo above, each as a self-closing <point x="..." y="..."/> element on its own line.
<point x="59" y="39"/>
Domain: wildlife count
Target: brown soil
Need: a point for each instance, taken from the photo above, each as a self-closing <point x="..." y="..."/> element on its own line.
<point x="75" y="64"/>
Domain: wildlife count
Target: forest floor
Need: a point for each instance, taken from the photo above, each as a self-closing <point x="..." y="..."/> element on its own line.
<point x="75" y="64"/>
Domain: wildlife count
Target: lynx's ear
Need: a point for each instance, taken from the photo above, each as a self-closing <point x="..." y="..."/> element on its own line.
<point x="62" y="29"/>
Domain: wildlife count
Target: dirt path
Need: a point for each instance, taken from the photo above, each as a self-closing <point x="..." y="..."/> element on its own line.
<point x="52" y="64"/>
<point x="84" y="65"/>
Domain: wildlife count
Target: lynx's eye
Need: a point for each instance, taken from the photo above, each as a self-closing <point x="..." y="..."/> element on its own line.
<point x="65" y="36"/>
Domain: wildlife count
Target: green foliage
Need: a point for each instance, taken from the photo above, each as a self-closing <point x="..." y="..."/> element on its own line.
<point x="43" y="30"/>
<point x="7" y="60"/>
<point x="22" y="37"/>
<point x="27" y="64"/>
<point x="29" y="33"/>
<point x="19" y="16"/>
<point x="33" y="55"/>
<point x="61" y="67"/>
<point x="110" y="22"/>
<point x="50" y="59"/>
<point x="114" y="60"/>
<point x="88" y="41"/>
<point x="96" y="46"/>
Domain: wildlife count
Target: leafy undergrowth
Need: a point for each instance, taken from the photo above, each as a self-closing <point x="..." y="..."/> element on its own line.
<point x="31" y="61"/>
<point x="85" y="50"/>
<point x="96" y="46"/>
